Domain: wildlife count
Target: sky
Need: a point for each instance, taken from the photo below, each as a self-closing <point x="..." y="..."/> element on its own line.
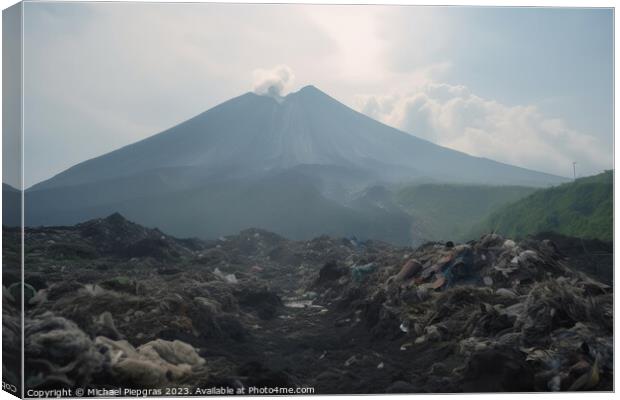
<point x="532" y="87"/>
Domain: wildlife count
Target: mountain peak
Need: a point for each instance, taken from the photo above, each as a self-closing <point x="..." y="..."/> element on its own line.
<point x="310" y="93"/>
<point x="251" y="133"/>
<point x="308" y="90"/>
<point x="205" y="176"/>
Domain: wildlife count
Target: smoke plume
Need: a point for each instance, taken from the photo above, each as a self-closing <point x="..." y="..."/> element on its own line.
<point x="274" y="82"/>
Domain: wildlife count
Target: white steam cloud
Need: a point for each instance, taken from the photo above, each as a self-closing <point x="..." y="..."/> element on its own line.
<point x="453" y="116"/>
<point x="274" y="82"/>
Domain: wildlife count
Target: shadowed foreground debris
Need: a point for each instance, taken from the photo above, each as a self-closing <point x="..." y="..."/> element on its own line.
<point x="116" y="304"/>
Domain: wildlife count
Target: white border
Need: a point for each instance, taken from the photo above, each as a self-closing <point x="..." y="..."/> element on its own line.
<point x="485" y="3"/>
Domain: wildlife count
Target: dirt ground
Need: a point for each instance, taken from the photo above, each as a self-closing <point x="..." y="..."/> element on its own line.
<point x="113" y="304"/>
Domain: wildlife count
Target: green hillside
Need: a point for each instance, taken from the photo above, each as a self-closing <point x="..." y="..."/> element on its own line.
<point x="583" y="208"/>
<point x="449" y="211"/>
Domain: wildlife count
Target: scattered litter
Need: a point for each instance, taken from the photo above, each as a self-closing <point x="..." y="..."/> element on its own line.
<point x="152" y="363"/>
<point x="406" y="346"/>
<point x="230" y="278"/>
<point x="350" y="361"/>
<point x="255" y="269"/>
<point x="518" y="312"/>
<point x="359" y="272"/>
<point x="297" y="303"/>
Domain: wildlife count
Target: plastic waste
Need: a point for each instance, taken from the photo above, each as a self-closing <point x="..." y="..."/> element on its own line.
<point x="230" y="278"/>
<point x="15" y="291"/>
<point x="359" y="272"/>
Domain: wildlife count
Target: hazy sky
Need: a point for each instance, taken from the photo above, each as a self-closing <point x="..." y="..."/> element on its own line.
<point x="530" y="87"/>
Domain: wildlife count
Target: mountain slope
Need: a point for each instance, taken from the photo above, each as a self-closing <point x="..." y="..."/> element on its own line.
<point x="583" y="208"/>
<point x="448" y="212"/>
<point x="11" y="205"/>
<point x="256" y="133"/>
<point x="286" y="203"/>
<point x="290" y="166"/>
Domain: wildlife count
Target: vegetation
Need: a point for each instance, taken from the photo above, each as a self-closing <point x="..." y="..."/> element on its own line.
<point x="583" y="208"/>
<point x="448" y="211"/>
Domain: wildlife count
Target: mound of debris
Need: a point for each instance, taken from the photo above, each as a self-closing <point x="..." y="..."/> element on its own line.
<point x="336" y="314"/>
<point x="592" y="256"/>
<point x="110" y="236"/>
<point x="515" y="316"/>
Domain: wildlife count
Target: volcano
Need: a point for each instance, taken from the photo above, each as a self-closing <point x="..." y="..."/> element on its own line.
<point x="291" y="165"/>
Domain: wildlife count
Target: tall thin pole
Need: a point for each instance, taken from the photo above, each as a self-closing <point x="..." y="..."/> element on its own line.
<point x="574" y="171"/>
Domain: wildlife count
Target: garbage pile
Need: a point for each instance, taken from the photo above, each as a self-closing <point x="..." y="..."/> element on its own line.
<point x="59" y="354"/>
<point x="110" y="303"/>
<point x="516" y="316"/>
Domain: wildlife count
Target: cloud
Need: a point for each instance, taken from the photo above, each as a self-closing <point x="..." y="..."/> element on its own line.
<point x="273" y="82"/>
<point x="453" y="116"/>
